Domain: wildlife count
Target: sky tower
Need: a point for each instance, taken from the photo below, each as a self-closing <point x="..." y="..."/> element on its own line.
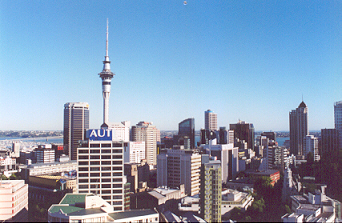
<point x="106" y="75"/>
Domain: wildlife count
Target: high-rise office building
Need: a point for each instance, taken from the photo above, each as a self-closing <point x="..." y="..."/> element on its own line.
<point x="186" y="131"/>
<point x="134" y="152"/>
<point x="148" y="133"/>
<point x="311" y="146"/>
<point x="228" y="155"/>
<point x="338" y="120"/>
<point x="45" y="154"/>
<point x="244" y="131"/>
<point x="210" y="119"/>
<point x="76" y="121"/>
<point x="176" y="167"/>
<point x="101" y="167"/>
<point x="106" y="75"/>
<point x="299" y="128"/>
<point x="211" y="191"/>
<point x="270" y="135"/>
<point x="330" y="144"/>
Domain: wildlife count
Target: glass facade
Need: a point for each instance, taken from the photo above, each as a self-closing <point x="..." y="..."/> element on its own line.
<point x="186" y="128"/>
<point x="76" y="121"/>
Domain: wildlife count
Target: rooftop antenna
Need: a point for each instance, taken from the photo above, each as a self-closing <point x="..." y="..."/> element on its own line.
<point x="107" y="39"/>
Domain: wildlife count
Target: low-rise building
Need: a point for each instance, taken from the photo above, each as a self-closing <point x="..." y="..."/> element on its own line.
<point x="315" y="206"/>
<point x="92" y="208"/>
<point x="189" y="204"/>
<point x="47" y="168"/>
<point x="233" y="198"/>
<point x="14" y="201"/>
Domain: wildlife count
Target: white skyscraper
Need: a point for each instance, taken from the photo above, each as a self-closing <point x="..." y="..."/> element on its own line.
<point x="106" y="75"/>
<point x="312" y="146"/>
<point x="338" y="120"/>
<point x="176" y="167"/>
<point x="210" y="120"/>
<point x="100" y="167"/>
<point x="148" y="133"/>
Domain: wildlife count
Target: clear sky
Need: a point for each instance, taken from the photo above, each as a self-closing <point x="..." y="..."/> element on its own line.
<point x="251" y="60"/>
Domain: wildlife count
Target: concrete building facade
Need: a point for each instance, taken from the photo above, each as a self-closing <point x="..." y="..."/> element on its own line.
<point x="14" y="201"/>
<point x="176" y="167"/>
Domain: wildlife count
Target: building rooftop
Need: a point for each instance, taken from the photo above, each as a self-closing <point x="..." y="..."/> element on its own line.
<point x="300" y="199"/>
<point x="131" y="213"/>
<point x="66" y="209"/>
<point x="74" y="198"/>
<point x="88" y="211"/>
<point x="261" y="172"/>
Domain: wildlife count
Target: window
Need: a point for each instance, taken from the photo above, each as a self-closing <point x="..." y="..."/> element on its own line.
<point x="83" y="169"/>
<point x="95" y="151"/>
<point x="117" y="174"/>
<point x="117" y="144"/>
<point x="94" y="162"/>
<point x="83" y="174"/>
<point x="94" y="145"/>
<point x="94" y="157"/>
<point x="117" y="168"/>
<point x="82" y="151"/>
<point x="83" y="157"/>
<point x="117" y="150"/>
<point x="105" y="168"/>
<point x="94" y="168"/>
<point x="80" y="163"/>
<point x="105" y="157"/>
<point x="117" y="180"/>
<point x="117" y="186"/>
<point x="105" y="151"/>
<point x="83" y="180"/>
<point x="105" y="163"/>
<point x="106" y="145"/>
<point x="94" y="174"/>
<point x="105" y="185"/>
<point x="117" y="191"/>
<point x="105" y="174"/>
<point x="117" y="162"/>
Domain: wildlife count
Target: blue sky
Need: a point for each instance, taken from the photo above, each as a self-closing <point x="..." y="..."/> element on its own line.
<point x="245" y="59"/>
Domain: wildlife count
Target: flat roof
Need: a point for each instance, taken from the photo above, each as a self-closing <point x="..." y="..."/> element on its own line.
<point x="88" y="211"/>
<point x="132" y="213"/>
<point x="65" y="208"/>
<point x="74" y="198"/>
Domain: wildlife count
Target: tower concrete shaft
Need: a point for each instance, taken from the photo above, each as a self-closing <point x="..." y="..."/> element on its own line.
<point x="106" y="75"/>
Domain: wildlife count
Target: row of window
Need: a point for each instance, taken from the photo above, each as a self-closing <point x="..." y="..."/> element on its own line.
<point x="97" y="151"/>
<point x="98" y="180"/>
<point x="96" y="186"/>
<point x="97" y="168"/>
<point x="98" y="174"/>
<point x="85" y="163"/>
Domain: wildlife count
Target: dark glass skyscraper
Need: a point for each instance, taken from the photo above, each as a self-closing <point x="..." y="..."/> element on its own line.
<point x="76" y="121"/>
<point x="186" y="129"/>
<point x="329" y="144"/>
<point x="298" y="129"/>
<point x="244" y="131"/>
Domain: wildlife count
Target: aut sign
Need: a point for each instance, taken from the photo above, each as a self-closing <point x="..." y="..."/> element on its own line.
<point x="100" y="134"/>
